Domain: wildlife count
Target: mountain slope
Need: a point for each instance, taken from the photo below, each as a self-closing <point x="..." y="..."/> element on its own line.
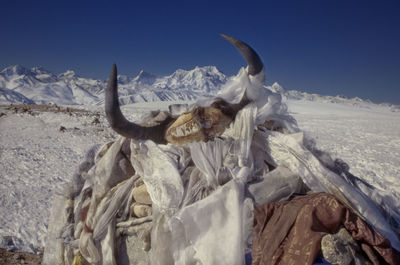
<point x="8" y="96"/>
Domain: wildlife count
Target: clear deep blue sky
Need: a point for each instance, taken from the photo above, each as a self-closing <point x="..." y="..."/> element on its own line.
<point x="327" y="46"/>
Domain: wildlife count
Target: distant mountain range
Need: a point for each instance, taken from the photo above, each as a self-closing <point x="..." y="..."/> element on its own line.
<point x="39" y="86"/>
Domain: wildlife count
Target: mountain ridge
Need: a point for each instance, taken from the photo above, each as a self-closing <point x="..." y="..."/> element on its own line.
<point x="39" y="86"/>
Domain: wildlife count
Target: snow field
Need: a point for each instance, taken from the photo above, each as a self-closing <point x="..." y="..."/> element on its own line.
<point x="368" y="140"/>
<point x="37" y="158"/>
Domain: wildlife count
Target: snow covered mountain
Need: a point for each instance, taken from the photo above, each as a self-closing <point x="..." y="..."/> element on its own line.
<point x="39" y="86"/>
<point x="180" y="85"/>
<point x="340" y="99"/>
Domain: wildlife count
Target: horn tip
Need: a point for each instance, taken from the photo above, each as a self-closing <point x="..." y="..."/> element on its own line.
<point x="113" y="73"/>
<point x="228" y="38"/>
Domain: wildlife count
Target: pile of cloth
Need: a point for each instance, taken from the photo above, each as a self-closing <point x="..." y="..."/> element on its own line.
<point x="258" y="193"/>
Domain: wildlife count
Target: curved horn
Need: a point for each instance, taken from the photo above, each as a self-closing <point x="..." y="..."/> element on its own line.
<point x="120" y="124"/>
<point x="253" y="60"/>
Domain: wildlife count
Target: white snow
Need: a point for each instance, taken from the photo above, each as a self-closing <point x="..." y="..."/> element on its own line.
<point x="37" y="158"/>
<point x="367" y="139"/>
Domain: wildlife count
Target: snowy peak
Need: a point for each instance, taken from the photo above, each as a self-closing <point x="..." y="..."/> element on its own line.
<point x="144" y="78"/>
<point x="43" y="75"/>
<point x="123" y="79"/>
<point x="69" y="74"/>
<point x="15" y="70"/>
<point x="207" y="79"/>
<point x="180" y="85"/>
<point x="40" y="71"/>
<point x="18" y="72"/>
<point x="205" y="73"/>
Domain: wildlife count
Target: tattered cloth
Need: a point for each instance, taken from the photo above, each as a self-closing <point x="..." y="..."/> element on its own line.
<point x="290" y="232"/>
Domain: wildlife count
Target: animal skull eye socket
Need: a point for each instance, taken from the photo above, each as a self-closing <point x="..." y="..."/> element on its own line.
<point x="198" y="110"/>
<point x="199" y="113"/>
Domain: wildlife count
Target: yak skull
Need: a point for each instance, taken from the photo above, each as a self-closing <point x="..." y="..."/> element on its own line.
<point x="200" y="124"/>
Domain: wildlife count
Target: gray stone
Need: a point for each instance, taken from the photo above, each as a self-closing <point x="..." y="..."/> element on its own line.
<point x="339" y="248"/>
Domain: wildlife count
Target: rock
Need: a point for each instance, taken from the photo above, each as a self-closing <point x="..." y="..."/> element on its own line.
<point x="141" y="195"/>
<point x="339" y="248"/>
<point x="141" y="210"/>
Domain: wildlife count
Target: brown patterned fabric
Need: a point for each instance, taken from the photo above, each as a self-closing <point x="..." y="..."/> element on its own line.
<point x="290" y="232"/>
<point x="379" y="248"/>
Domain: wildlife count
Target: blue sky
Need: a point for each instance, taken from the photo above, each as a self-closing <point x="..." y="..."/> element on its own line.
<point x="327" y="46"/>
